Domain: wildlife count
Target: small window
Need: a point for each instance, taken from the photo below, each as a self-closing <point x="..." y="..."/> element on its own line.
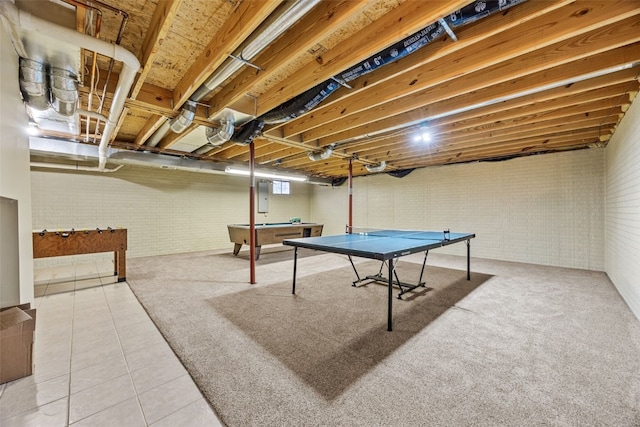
<point x="281" y="187"/>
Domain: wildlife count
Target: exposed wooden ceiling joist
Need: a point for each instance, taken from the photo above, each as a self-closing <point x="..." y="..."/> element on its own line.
<point x="540" y="76"/>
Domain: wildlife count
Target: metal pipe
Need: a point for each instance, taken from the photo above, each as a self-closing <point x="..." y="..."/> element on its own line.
<point x="252" y="215"/>
<point x="376" y="168"/>
<point x="73" y="167"/>
<point x="322" y="155"/>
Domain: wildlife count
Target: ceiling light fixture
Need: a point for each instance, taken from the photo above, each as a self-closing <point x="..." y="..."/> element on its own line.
<point x="262" y="174"/>
<point x="33" y="129"/>
<point x="424" y="135"/>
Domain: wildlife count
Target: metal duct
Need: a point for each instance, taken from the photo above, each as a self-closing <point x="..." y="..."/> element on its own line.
<point x="185" y="118"/>
<point x="321" y="155"/>
<point x="376" y="168"/>
<point x="64" y="91"/>
<point x="219" y="136"/>
<point x="43" y="165"/>
<point x="34" y="84"/>
<point x="86" y="152"/>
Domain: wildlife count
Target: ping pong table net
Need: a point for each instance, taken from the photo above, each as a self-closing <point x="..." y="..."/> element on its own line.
<point x="386" y="232"/>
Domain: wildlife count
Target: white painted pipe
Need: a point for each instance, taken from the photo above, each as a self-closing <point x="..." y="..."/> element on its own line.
<point x="130" y="66"/>
<point x="92" y="114"/>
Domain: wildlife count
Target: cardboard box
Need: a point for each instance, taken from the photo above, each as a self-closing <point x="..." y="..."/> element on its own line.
<point x="17" y="328"/>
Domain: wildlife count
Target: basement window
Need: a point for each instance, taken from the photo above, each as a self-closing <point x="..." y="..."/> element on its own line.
<point x="281" y="187"/>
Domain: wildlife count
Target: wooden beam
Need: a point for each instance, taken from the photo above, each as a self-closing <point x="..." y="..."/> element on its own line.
<point x="246" y="17"/>
<point x="508" y="56"/>
<point x="314" y="26"/>
<point x="594" y="88"/>
<point x="163" y="16"/>
<point x="398" y="24"/>
<point x="384" y="76"/>
<point x="527" y="73"/>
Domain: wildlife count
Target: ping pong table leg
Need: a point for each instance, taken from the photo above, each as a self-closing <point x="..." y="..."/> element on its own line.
<point x="390" y="294"/>
<point x="468" y="259"/>
<point x="295" y="264"/>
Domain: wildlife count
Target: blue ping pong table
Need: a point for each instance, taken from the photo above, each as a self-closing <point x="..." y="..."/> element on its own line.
<point x="386" y="246"/>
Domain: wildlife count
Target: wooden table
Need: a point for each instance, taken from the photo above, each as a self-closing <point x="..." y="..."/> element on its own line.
<point x="73" y="242"/>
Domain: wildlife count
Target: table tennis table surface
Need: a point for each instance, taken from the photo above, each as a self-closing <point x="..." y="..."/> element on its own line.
<point x="380" y="244"/>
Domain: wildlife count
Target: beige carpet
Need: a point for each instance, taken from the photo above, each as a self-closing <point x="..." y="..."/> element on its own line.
<point x="518" y="345"/>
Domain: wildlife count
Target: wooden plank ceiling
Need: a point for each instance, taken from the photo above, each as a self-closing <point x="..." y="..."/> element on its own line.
<point x="541" y="76"/>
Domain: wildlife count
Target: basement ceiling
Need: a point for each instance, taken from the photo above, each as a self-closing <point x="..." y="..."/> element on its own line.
<point x="312" y="87"/>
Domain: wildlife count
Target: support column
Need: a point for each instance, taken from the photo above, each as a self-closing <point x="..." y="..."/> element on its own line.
<point x="252" y="215"/>
<point x="350" y="224"/>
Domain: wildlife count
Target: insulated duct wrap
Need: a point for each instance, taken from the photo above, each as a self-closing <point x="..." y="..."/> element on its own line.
<point x="301" y="104"/>
<point x="248" y="132"/>
<point x="478" y="10"/>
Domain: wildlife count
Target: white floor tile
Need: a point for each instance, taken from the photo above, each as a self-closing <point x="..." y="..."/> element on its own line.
<point x="52" y="414"/>
<point x="168" y="398"/>
<point x="127" y="413"/>
<point x="95" y="399"/>
<point x="198" y="414"/>
<point x="157" y="374"/>
<point x="97" y="374"/>
<point x="92" y="356"/>
<point x="99" y="360"/>
<point x="17" y="399"/>
<point x="155" y="354"/>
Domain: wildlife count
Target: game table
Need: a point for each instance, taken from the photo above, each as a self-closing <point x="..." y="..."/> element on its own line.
<point x="76" y="242"/>
<point x="270" y="233"/>
<point x="386" y="246"/>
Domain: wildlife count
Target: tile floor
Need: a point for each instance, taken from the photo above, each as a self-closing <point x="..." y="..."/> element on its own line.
<point x="99" y="360"/>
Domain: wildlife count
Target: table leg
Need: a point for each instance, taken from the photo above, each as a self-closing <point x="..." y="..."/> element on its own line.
<point x="122" y="265"/>
<point x="257" y="252"/>
<point x="295" y="264"/>
<point x="468" y="260"/>
<point x="390" y="297"/>
<point x="236" y="248"/>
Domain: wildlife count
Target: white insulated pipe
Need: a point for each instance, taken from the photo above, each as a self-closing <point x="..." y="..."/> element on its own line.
<point x="130" y="65"/>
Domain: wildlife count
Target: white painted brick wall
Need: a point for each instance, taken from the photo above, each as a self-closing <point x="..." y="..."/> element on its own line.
<point x="545" y="209"/>
<point x="622" y="208"/>
<point x="165" y="211"/>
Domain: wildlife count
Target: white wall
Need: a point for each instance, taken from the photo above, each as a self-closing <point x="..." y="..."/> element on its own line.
<point x="622" y="211"/>
<point x="329" y="206"/>
<point x="15" y="181"/>
<point x="165" y="211"/>
<point x="545" y="209"/>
